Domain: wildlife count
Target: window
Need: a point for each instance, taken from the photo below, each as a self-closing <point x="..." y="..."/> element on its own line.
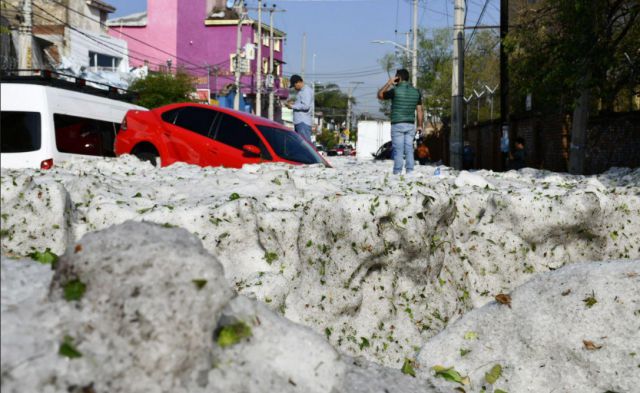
<point x="276" y="44"/>
<point x="236" y="133"/>
<point x="79" y="135"/>
<point x="290" y="146"/>
<point x="265" y="40"/>
<point x="265" y="65"/>
<point x="192" y="118"/>
<point x="103" y="62"/>
<point x="20" y="131"/>
<point x="170" y="116"/>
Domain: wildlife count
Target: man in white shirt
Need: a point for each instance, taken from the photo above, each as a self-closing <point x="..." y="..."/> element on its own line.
<point x="301" y="107"/>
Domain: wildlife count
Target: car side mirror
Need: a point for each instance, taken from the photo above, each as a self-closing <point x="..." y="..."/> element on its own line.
<point x="251" y="150"/>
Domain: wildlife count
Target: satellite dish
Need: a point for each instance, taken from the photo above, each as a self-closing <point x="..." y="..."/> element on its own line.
<point x="230" y="3"/>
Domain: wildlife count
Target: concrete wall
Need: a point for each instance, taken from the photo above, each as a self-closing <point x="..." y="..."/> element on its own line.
<point x="612" y="140"/>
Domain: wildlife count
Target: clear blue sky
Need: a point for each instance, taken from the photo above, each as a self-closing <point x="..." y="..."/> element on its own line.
<point x="339" y="33"/>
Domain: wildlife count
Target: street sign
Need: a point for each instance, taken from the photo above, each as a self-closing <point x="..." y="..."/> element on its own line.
<point x="250" y="51"/>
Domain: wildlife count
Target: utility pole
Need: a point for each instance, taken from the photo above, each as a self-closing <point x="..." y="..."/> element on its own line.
<point x="304" y="55"/>
<point x="209" y="83"/>
<point x="271" y="76"/>
<point x="25" y="60"/>
<point x="407" y="44"/>
<point x="313" y="88"/>
<point x="259" y="63"/>
<point x="414" y="58"/>
<point x="215" y="80"/>
<point x="457" y="87"/>
<point x="236" y="101"/>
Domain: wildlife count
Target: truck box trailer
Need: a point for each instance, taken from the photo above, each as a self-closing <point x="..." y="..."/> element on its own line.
<point x="371" y="135"/>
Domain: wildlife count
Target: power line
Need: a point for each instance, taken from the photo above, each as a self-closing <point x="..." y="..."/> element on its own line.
<point x="130" y="36"/>
<point x="473" y="32"/>
<point x="117" y="50"/>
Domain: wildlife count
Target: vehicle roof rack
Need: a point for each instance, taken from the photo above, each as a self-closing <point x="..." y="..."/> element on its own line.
<point x="65" y="81"/>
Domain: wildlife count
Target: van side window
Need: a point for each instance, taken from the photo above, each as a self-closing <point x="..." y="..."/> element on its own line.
<point x="20" y="132"/>
<point x="199" y="120"/>
<point x="79" y="135"/>
<point x="236" y="133"/>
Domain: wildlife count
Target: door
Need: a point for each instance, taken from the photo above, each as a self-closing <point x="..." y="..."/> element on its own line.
<point x="231" y="136"/>
<point x="188" y="129"/>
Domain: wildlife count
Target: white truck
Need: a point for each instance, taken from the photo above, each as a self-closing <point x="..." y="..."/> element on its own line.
<point x="371" y="135"/>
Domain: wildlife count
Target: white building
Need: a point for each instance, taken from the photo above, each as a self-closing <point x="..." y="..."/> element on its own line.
<point x="70" y="34"/>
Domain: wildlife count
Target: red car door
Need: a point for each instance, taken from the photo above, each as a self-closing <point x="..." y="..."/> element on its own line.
<point x="188" y="133"/>
<point x="232" y="137"/>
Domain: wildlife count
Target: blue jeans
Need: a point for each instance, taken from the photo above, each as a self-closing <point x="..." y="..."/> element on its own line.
<point x="402" y="135"/>
<point x="304" y="130"/>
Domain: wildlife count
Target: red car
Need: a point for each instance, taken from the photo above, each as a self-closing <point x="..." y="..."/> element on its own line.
<point x="210" y="136"/>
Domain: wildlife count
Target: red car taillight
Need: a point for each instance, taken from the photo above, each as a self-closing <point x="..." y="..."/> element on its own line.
<point x="47" y="164"/>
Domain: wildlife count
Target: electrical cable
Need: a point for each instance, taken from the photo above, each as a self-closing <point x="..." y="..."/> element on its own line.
<point x="475" y="28"/>
<point x="127" y="35"/>
<point x="116" y="49"/>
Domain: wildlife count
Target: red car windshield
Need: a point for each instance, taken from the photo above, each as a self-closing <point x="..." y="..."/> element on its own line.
<point x="290" y="146"/>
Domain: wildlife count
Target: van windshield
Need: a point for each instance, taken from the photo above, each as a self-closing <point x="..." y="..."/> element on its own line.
<point x="20" y="131"/>
<point x="290" y="146"/>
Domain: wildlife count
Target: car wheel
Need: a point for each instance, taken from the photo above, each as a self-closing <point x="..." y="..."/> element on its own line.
<point x="153" y="158"/>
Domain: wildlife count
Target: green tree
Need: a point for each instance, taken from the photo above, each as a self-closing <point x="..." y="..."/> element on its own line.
<point x="434" y="69"/>
<point x="160" y="89"/>
<point x="332" y="102"/>
<point x="564" y="48"/>
<point x="575" y="56"/>
<point x="328" y="139"/>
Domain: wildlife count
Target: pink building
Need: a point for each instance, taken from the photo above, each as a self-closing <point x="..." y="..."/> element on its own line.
<point x="199" y="37"/>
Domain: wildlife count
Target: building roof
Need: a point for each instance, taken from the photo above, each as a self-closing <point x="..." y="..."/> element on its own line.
<point x="101" y="5"/>
<point x="134" y="20"/>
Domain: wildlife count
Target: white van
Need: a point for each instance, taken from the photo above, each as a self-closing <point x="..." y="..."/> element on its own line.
<point x="42" y="125"/>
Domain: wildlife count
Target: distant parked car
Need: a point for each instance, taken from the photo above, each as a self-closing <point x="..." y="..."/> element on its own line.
<point x="342" y="150"/>
<point x="210" y="136"/>
<point x="45" y="120"/>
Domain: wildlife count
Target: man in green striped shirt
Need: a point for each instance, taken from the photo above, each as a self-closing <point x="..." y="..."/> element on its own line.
<point x="406" y="102"/>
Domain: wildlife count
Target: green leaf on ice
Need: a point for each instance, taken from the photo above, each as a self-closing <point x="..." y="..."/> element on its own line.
<point x="590" y="300"/>
<point x="471" y="335"/>
<point x="232" y="334"/>
<point x="199" y="283"/>
<point x="74" y="290"/>
<point x="270" y="257"/>
<point x="450" y="374"/>
<point x="46" y="257"/>
<point x="407" y="367"/>
<point x="364" y="343"/>
<point x="234" y="196"/>
<point x="493" y="375"/>
<point x="67" y="349"/>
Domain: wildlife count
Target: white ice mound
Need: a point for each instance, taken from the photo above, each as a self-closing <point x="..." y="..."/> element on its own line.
<point x="156" y="315"/>
<point x="376" y="263"/>
<point x="576" y="329"/>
